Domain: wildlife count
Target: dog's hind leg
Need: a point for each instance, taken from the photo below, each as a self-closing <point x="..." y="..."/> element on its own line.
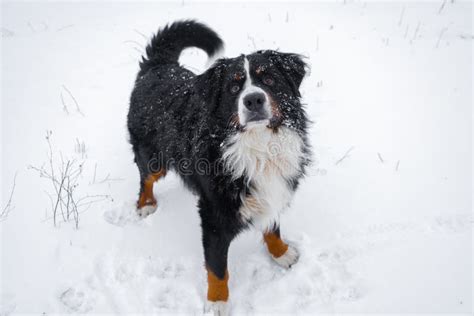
<point x="285" y="255"/>
<point x="151" y="169"/>
<point x="147" y="202"/>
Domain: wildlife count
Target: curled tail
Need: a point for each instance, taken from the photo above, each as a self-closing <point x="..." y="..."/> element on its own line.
<point x="166" y="46"/>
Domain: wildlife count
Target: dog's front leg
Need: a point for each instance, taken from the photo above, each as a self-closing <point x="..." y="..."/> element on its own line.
<point x="216" y="246"/>
<point x="283" y="254"/>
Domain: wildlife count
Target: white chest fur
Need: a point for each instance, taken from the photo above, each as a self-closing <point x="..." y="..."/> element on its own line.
<point x="267" y="160"/>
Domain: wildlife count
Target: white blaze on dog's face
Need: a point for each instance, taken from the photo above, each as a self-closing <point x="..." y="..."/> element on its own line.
<point x="253" y="102"/>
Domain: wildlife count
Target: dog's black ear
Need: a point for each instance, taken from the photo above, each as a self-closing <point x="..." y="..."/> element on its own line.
<point x="293" y="68"/>
<point x="209" y="84"/>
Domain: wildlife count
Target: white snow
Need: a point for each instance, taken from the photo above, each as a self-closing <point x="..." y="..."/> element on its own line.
<point x="386" y="228"/>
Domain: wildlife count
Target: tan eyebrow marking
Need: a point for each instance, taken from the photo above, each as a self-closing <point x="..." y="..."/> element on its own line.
<point x="238" y="76"/>
<point x="259" y="70"/>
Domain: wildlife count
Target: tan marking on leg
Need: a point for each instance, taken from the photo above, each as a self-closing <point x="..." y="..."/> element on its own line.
<point x="217" y="289"/>
<point x="275" y="245"/>
<point x="147" y="197"/>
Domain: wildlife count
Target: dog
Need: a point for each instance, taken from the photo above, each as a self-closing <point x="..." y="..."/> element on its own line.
<point x="236" y="135"/>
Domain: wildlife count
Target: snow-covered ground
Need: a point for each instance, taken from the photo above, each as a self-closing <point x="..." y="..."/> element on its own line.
<point x="383" y="221"/>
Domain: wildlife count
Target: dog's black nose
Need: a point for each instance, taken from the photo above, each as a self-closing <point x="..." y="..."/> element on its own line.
<point x="254" y="101"/>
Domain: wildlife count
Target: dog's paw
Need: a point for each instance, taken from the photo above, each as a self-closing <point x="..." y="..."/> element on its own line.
<point x="219" y="308"/>
<point x="146" y="210"/>
<point x="289" y="258"/>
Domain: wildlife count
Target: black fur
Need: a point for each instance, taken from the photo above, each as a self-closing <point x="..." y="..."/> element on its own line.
<point x="178" y="120"/>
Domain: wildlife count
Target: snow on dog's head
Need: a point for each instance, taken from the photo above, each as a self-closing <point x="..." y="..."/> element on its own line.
<point x="260" y="88"/>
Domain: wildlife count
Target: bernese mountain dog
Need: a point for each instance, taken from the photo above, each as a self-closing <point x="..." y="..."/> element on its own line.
<point x="236" y="135"/>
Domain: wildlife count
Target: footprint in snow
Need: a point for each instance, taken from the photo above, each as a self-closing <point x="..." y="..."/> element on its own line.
<point x="314" y="283"/>
<point x="143" y="284"/>
<point x="77" y="300"/>
<point x="7" y="304"/>
<point x="123" y="215"/>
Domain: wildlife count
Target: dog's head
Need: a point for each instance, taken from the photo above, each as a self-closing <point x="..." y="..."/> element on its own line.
<point x="255" y="89"/>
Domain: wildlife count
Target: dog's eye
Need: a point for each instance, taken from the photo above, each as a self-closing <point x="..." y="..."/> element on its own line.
<point x="235" y="88"/>
<point x="268" y="81"/>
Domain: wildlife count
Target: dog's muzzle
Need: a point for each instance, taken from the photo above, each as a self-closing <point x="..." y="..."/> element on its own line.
<point x="256" y="107"/>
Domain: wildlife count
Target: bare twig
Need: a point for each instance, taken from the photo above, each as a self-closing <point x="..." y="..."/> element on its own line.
<point x="64" y="27"/>
<point x="91" y="199"/>
<point x="442" y="7"/>
<point x="345" y="156"/>
<point x="80" y="148"/>
<point x="401" y="17"/>
<point x="64" y="103"/>
<point x="440" y="36"/>
<point x="74" y="99"/>
<point x="31" y="27"/>
<point x="141" y="34"/>
<point x="380" y="158"/>
<point x="416" y="30"/>
<point x="95" y="173"/>
<point x="109" y="179"/>
<point x="64" y="178"/>
<point x="8" y="207"/>
<point x="83" y="206"/>
<point x="59" y="196"/>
